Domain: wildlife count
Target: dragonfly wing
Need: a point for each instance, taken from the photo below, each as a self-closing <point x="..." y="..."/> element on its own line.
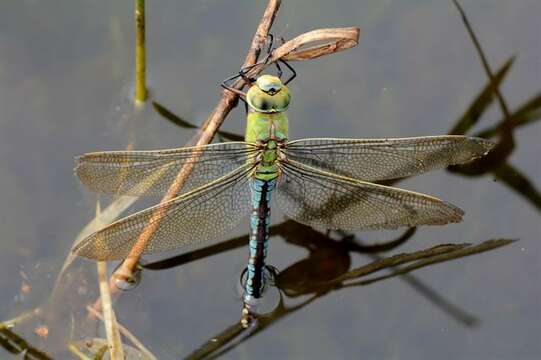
<point x="202" y="214"/>
<point x="153" y="172"/>
<point x="328" y="201"/>
<point x="381" y="159"/>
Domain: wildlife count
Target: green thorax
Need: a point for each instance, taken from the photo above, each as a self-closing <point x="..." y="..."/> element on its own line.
<point x="267" y="123"/>
<point x="262" y="127"/>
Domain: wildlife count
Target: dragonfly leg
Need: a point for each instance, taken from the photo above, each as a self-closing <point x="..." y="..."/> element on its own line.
<point x="278" y="69"/>
<point x="293" y="72"/>
<point x="226" y="84"/>
<point x="243" y="73"/>
<point x="245" y="70"/>
<point x="277" y="62"/>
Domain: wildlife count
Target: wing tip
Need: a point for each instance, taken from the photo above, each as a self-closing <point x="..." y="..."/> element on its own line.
<point x="454" y="213"/>
<point x="483" y="146"/>
<point x="79" y="167"/>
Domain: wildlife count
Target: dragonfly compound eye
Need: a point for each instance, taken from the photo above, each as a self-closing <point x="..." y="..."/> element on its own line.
<point x="269" y="84"/>
<point x="268" y="95"/>
<point x="262" y="104"/>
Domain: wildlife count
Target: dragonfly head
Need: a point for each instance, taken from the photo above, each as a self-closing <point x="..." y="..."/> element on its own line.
<point x="268" y="95"/>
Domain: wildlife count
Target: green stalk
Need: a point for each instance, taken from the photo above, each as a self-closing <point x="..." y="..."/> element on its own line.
<point x="140" y="53"/>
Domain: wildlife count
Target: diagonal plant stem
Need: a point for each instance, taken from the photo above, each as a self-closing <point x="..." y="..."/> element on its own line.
<point x="140" y="52"/>
<point x="484" y="61"/>
<point x="209" y="128"/>
<point x="507" y="143"/>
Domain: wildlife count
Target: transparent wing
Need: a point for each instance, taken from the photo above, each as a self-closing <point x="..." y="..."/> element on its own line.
<point x="202" y="214"/>
<point x="153" y="172"/>
<point x="382" y="159"/>
<point x="327" y="201"/>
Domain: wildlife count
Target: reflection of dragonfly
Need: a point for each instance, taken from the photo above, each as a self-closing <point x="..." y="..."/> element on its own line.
<point x="324" y="182"/>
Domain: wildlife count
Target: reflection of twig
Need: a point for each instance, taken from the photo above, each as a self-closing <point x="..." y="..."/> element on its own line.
<point x="217" y="342"/>
<point x="518" y="182"/>
<point x="526" y="114"/>
<point x="481" y="101"/>
<point x="397" y="260"/>
<point x="175" y="119"/>
<point x="507" y="143"/>
<point x="230" y="338"/>
<point x="482" y="56"/>
<point x="429" y="293"/>
<point x="435" y="298"/>
<point x="16" y="345"/>
<point x="496" y="160"/>
<point x="423" y="258"/>
<point x="318" y="243"/>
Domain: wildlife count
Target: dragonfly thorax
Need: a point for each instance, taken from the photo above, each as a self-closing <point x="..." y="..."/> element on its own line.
<point x="268" y="95"/>
<point x="267" y="160"/>
<point x="269" y="155"/>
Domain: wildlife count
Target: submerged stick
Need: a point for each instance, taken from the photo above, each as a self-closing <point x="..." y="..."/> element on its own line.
<point x="140" y="52"/>
<point x="113" y="337"/>
<point x="127" y="334"/>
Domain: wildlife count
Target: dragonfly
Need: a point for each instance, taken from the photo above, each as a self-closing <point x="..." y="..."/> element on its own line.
<point x="325" y="183"/>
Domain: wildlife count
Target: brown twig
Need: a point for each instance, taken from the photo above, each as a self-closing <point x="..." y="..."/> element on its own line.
<point x="326" y="41"/>
<point x="311" y="45"/>
<point x="209" y="128"/>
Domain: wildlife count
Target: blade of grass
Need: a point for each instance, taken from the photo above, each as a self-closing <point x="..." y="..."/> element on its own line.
<point x="175" y="119"/>
<point x="482" y="56"/>
<point x="481" y="102"/>
<point x="526" y="114"/>
<point x="140" y="52"/>
<point x="513" y="178"/>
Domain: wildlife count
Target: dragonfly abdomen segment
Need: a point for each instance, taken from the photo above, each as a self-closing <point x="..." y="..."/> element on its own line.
<point x="259" y="236"/>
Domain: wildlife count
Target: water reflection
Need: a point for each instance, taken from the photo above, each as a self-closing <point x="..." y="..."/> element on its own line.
<point x="326" y="270"/>
<point x="327" y="267"/>
<point x="17" y="345"/>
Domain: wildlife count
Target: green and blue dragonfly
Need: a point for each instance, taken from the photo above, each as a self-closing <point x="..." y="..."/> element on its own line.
<point x="326" y="183"/>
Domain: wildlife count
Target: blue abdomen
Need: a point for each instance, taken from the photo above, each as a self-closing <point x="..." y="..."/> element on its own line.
<point x="259" y="236"/>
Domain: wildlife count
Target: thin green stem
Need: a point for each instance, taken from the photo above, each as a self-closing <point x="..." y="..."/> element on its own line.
<point x="140" y="52"/>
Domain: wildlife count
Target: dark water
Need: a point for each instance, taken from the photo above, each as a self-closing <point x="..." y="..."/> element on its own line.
<point x="65" y="76"/>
